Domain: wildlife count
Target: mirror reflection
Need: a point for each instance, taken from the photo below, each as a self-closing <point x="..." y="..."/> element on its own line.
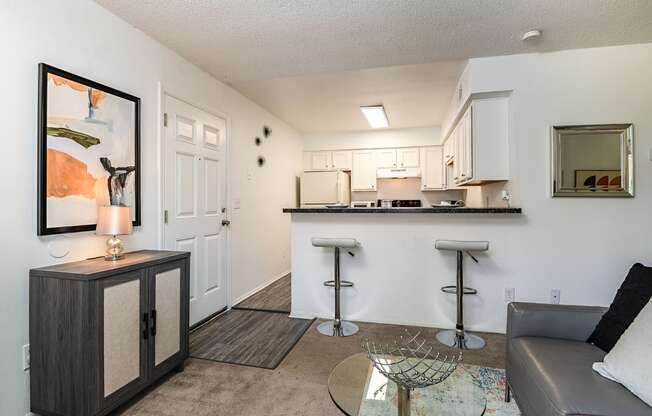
<point x="593" y="161"/>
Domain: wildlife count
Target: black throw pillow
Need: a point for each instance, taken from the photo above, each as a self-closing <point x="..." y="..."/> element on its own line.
<point x="633" y="295"/>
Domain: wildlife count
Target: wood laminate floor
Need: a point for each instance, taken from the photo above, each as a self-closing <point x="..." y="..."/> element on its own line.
<point x="245" y="337"/>
<point x="274" y="298"/>
<point x="298" y="387"/>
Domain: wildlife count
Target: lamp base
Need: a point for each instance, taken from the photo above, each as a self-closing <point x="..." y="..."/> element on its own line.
<point x="114" y="249"/>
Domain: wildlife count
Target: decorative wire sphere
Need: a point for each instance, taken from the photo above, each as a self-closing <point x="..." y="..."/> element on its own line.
<point x="410" y="362"/>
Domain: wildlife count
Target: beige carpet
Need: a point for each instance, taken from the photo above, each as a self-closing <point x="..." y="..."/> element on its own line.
<point x="297" y="387"/>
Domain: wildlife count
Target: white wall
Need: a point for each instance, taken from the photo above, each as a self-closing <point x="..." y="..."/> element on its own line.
<point x="582" y="246"/>
<point x="81" y="37"/>
<point x="372" y="139"/>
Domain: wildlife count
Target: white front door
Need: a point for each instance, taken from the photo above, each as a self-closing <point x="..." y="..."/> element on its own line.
<point x="195" y="201"/>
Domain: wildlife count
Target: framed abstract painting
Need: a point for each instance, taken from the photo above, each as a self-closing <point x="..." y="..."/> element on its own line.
<point x="88" y="151"/>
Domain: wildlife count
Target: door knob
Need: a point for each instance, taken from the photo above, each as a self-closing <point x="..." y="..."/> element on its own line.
<point x="226" y="223"/>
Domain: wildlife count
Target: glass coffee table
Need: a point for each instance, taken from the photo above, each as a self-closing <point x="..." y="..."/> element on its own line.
<point x="359" y="389"/>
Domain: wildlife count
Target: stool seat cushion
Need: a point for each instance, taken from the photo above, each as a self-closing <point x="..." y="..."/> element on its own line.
<point x="456" y="245"/>
<point x="334" y="242"/>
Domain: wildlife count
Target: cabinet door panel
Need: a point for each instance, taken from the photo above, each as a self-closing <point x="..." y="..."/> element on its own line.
<point x="341" y="160"/>
<point x="408" y="158"/>
<point x="432" y="175"/>
<point x="467" y="125"/>
<point x="386" y="158"/>
<point x="320" y="160"/>
<point x="167" y="313"/>
<point x="122" y="331"/>
<point x="363" y="171"/>
<point x="169" y="303"/>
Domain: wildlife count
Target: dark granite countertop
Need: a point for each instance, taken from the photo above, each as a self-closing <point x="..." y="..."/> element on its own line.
<point x="423" y="210"/>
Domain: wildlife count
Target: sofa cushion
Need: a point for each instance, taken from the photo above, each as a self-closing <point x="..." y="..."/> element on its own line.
<point x="553" y="377"/>
<point x="633" y="295"/>
<point x="630" y="361"/>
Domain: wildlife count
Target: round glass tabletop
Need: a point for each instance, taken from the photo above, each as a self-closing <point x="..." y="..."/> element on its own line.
<point x="359" y="389"/>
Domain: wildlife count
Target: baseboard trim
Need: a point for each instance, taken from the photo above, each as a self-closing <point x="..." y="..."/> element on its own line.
<point x="259" y="288"/>
<point x="389" y="321"/>
<point x="207" y="319"/>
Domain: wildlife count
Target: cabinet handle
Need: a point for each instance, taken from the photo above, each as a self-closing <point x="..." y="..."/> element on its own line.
<point x="146" y="323"/>
<point x="153" y="322"/>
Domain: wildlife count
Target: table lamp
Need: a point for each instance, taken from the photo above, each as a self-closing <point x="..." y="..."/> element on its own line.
<point x="113" y="220"/>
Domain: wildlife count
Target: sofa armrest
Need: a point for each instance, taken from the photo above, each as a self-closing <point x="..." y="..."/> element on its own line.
<point x="552" y="321"/>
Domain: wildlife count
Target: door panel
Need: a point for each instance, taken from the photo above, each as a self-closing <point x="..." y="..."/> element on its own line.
<point x="363" y="171"/>
<point x="386" y="158"/>
<point x="321" y="160"/>
<point x="408" y="158"/>
<point x="195" y="186"/>
<point x="432" y="176"/>
<point x="168" y="287"/>
<point x="341" y="160"/>
<point x="167" y="314"/>
<point x="123" y="324"/>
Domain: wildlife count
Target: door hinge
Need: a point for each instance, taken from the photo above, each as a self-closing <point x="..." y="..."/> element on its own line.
<point x="165" y="119"/>
<point x="165" y="216"/>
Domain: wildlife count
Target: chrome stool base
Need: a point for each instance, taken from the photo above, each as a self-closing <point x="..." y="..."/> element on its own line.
<point x="467" y="341"/>
<point x="345" y="329"/>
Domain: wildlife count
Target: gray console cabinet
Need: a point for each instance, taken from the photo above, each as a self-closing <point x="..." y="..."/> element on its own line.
<point x="100" y="331"/>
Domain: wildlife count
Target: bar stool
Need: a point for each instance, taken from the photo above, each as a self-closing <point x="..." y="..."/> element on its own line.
<point x="458" y="337"/>
<point x="337" y="327"/>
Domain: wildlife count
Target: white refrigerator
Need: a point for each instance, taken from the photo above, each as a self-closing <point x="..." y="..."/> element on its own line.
<point x="318" y="189"/>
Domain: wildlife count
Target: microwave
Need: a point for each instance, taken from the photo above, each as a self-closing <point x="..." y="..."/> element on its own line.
<point x="363" y="204"/>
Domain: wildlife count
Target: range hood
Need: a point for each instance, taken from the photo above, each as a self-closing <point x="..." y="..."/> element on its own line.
<point x="398" y="173"/>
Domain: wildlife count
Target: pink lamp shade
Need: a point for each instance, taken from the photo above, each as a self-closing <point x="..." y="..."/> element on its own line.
<point x="113" y="220"/>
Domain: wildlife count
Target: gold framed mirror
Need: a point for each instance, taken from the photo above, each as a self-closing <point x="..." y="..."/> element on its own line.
<point x="593" y="161"/>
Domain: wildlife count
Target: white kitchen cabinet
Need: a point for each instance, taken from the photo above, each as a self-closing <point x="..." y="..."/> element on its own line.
<point x="449" y="149"/>
<point x="386" y="158"/>
<point x="317" y="161"/>
<point x="407" y="157"/>
<point x="341" y="159"/>
<point x="482" y="142"/>
<point x="432" y="168"/>
<point x="327" y="160"/>
<point x="363" y="170"/>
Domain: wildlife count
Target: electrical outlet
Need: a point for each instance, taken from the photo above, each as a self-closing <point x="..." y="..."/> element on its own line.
<point x="555" y="296"/>
<point x="510" y="294"/>
<point x="26" y="357"/>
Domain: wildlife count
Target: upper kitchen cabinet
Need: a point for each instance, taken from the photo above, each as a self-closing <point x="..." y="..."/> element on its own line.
<point x="449" y="149"/>
<point x="317" y="161"/>
<point x="481" y="136"/>
<point x="432" y="169"/>
<point x="341" y="159"/>
<point x="385" y="158"/>
<point x="407" y="157"/>
<point x="327" y="160"/>
<point x="363" y="171"/>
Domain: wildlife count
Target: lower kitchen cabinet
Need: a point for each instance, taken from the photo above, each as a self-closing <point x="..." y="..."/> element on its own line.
<point x="101" y="331"/>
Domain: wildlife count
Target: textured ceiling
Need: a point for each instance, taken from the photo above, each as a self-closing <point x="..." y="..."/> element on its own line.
<point x="413" y="96"/>
<point x="253" y="40"/>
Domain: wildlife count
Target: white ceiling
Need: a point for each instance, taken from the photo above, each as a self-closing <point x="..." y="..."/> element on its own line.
<point x="413" y="96"/>
<point x="253" y="40"/>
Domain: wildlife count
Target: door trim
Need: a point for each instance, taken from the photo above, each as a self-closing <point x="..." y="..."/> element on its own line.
<point x="164" y="92"/>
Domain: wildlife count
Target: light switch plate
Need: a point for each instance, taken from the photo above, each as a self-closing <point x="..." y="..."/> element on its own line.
<point x="26" y="357"/>
<point x="510" y="294"/>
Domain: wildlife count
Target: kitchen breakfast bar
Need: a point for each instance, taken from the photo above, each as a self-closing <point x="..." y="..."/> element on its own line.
<point x="396" y="271"/>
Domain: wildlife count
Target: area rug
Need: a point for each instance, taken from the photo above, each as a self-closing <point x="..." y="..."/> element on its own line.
<point x="462" y="394"/>
<point x="245" y="337"/>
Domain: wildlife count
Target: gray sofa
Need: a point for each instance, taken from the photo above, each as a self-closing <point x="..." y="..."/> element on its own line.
<point x="549" y="364"/>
